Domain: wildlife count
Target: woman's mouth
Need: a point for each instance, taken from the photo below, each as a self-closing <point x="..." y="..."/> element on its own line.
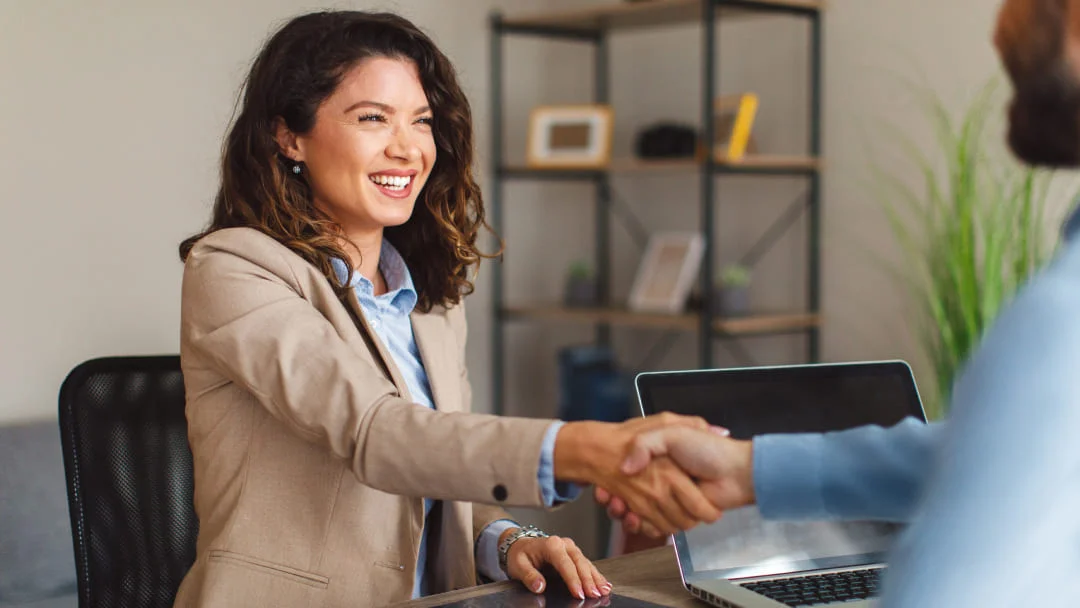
<point x="397" y="186"/>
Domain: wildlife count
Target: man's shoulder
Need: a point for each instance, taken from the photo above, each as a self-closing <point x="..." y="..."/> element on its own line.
<point x="1026" y="361"/>
<point x="1055" y="290"/>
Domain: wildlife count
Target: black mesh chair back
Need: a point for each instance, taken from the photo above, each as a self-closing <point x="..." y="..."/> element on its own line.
<point x="129" y="480"/>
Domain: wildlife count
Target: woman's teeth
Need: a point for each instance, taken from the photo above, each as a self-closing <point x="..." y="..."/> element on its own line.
<point x="392" y="182"/>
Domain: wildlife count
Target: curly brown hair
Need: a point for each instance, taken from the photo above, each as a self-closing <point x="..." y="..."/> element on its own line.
<point x="298" y="68"/>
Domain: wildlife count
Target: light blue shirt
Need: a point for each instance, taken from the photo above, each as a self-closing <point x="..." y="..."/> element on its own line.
<point x="388" y="316"/>
<point x="993" y="495"/>
<point x="868" y="472"/>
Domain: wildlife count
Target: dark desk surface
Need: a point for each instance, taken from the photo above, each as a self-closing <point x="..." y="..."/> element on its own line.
<point x="650" y="575"/>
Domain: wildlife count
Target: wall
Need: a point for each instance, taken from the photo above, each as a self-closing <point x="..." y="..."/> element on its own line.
<point x="112" y="114"/>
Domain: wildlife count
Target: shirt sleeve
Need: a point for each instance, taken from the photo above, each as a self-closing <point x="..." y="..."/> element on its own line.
<point x="487" y="549"/>
<point x="553" y="492"/>
<point x="869" y="472"/>
<point x="998" y="526"/>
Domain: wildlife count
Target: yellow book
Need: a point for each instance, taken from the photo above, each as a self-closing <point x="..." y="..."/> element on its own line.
<point x="744" y="124"/>
<point x="734" y="123"/>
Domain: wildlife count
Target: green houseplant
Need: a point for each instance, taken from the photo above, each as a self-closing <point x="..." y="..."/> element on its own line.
<point x="732" y="294"/>
<point x="581" y="289"/>
<point x="971" y="232"/>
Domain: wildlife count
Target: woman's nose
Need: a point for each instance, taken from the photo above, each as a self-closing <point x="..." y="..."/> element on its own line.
<point x="403" y="145"/>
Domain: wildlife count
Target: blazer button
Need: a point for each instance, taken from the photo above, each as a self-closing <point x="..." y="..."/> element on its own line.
<point x="499" y="492"/>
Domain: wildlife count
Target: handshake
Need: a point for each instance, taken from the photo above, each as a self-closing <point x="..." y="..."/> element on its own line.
<point x="659" y="474"/>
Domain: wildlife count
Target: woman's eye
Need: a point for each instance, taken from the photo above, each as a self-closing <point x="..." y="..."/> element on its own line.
<point x="370" y="118"/>
<point x="427" y="120"/>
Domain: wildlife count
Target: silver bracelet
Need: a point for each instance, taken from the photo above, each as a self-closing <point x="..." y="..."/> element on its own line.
<point x="529" y="531"/>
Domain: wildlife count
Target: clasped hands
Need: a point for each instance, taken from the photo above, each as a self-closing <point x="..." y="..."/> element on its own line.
<point x="658" y="474"/>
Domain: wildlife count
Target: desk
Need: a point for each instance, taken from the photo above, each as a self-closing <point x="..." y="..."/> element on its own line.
<point x="650" y="575"/>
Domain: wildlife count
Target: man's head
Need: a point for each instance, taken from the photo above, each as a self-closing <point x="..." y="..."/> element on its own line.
<point x="1039" y="44"/>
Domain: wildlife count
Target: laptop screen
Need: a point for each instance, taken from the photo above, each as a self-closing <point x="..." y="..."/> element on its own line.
<point x="786" y="399"/>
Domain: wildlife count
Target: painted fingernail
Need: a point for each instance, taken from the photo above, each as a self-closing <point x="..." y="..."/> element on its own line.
<point x="593" y="591"/>
<point x="578" y="593"/>
<point x="538" y="585"/>
<point x="606" y="587"/>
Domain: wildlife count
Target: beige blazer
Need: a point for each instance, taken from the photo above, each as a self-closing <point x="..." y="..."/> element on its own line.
<point x="311" y="463"/>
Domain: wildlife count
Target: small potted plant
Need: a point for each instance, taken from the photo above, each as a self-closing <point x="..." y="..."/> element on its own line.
<point x="580" y="286"/>
<point x="731" y="297"/>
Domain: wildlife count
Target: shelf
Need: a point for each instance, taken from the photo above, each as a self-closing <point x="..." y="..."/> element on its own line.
<point x="750" y="165"/>
<point x="629" y="15"/>
<point x="592" y="29"/>
<point x="752" y="324"/>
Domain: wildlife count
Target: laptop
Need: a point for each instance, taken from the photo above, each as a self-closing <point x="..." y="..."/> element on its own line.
<point x="743" y="561"/>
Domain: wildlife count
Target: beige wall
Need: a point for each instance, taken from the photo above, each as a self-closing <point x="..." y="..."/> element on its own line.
<point x="111" y="115"/>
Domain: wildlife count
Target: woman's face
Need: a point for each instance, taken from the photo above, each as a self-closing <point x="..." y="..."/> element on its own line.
<point x="371" y="149"/>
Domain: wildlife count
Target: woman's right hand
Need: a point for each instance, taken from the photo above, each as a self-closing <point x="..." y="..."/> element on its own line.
<point x="663" y="495"/>
<point x="723" y="467"/>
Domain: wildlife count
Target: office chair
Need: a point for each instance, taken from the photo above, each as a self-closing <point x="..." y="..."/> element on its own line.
<point x="129" y="480"/>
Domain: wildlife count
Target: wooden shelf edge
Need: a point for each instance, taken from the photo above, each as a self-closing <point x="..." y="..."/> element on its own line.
<point x="764" y="162"/>
<point x="750" y="324"/>
<point x="753" y="162"/>
<point x="626" y="15"/>
<point x="768" y="323"/>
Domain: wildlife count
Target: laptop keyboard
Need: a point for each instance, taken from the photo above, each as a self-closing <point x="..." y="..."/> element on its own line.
<point x="834" y="587"/>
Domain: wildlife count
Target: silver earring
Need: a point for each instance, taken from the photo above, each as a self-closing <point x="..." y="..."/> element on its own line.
<point x="296" y="169"/>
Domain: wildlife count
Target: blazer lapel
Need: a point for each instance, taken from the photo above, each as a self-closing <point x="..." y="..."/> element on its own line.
<point x="385" y="360"/>
<point x="430" y="332"/>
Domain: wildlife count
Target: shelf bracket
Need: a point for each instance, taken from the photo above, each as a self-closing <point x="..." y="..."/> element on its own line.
<point x="775" y="230"/>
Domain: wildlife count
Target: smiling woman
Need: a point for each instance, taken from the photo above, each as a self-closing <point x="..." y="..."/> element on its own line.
<point x="323" y="348"/>
<point x="368" y="155"/>
<point x="305" y="151"/>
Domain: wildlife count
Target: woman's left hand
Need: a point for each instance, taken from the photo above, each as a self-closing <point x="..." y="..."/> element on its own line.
<point x="528" y="555"/>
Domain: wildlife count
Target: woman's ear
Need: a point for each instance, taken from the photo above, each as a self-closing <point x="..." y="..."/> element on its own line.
<point x="287" y="141"/>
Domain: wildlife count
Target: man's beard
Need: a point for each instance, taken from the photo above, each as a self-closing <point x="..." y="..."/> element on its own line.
<point x="1044" y="119"/>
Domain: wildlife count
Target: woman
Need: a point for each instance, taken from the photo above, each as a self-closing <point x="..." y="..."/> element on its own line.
<point x="323" y="348"/>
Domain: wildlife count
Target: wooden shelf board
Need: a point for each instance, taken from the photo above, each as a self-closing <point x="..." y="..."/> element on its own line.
<point x="751" y="324"/>
<point x="754" y="162"/>
<point x="749" y="164"/>
<point x="628" y="15"/>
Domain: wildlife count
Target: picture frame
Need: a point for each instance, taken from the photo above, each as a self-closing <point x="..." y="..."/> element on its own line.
<point x="570" y="137"/>
<point x="734" y="125"/>
<point x="667" y="272"/>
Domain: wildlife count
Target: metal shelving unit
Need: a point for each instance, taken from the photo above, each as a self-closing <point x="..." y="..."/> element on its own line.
<point x="592" y="27"/>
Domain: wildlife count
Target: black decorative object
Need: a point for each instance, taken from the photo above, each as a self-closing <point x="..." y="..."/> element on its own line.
<point x="667" y="140"/>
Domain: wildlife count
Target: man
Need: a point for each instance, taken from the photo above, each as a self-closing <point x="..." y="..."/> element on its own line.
<point x="993" y="494"/>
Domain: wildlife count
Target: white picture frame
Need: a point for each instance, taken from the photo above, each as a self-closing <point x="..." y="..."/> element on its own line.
<point x="569" y="137"/>
<point x="667" y="272"/>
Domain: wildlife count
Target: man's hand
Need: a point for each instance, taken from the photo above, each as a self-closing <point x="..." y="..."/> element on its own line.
<point x="722" y="466"/>
<point x="527" y="555"/>
<point x="660" y="492"/>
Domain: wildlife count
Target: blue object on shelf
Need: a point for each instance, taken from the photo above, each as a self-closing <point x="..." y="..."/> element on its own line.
<point x="591" y="385"/>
